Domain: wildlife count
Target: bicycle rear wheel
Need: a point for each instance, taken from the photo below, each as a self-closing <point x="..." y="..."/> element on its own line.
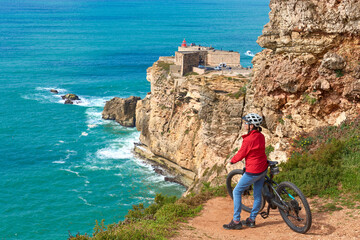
<point x="247" y="197"/>
<point x="298" y="214"/>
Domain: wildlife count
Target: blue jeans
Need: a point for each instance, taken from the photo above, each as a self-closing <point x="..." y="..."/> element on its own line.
<point x="246" y="181"/>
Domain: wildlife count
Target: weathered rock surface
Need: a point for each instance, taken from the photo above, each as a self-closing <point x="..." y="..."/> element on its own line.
<point x="192" y="121"/>
<point x="54" y="91"/>
<point x="70" y="96"/>
<point x="307" y="77"/>
<point x="311" y="27"/>
<point x="121" y="110"/>
<point x="311" y="64"/>
<point x="67" y="101"/>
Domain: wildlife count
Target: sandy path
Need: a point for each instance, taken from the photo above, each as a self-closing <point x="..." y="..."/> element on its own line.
<point x="218" y="211"/>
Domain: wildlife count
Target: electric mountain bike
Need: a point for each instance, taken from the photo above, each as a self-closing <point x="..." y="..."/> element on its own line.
<point x="285" y="196"/>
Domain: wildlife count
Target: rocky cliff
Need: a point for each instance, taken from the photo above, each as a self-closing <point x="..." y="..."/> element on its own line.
<point x="192" y="121"/>
<point x="310" y="71"/>
<point x="121" y="110"/>
<point x="308" y="76"/>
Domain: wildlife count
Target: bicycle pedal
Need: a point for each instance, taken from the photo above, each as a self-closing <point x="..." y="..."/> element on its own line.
<point x="264" y="215"/>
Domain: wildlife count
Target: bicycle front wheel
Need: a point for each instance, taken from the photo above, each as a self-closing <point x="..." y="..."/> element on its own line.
<point x="297" y="214"/>
<point x="247" y="198"/>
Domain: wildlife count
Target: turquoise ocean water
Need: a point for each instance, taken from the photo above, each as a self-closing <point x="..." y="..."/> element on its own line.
<point x="62" y="166"/>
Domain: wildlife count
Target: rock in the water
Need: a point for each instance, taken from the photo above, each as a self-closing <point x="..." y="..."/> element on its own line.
<point x="171" y="179"/>
<point x="67" y="101"/>
<point x="54" y="91"/>
<point x="121" y="110"/>
<point x="159" y="171"/>
<point x="70" y="96"/>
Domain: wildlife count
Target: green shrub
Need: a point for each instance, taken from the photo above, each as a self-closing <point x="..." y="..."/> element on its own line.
<point x="191" y="73"/>
<point x="309" y="99"/>
<point x="165" y="66"/>
<point x="268" y="150"/>
<point x="238" y="94"/>
<point x="158" y="221"/>
<point x="339" y="73"/>
<point x="326" y="162"/>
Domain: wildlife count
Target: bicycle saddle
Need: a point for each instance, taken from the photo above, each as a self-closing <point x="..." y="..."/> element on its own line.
<point x="272" y="163"/>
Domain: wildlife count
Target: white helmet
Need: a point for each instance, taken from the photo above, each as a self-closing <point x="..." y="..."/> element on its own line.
<point x="254" y="119"/>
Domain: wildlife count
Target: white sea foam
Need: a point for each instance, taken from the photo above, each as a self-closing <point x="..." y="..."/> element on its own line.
<point x="113" y="152"/>
<point x="68" y="155"/>
<point x="93" y="117"/>
<point x="60" y="90"/>
<point x="156" y="178"/>
<point x="85" y="201"/>
<point x="119" y="149"/>
<point x="249" y="53"/>
<point x="89" y="101"/>
<point x="84" y="134"/>
<point x="59" y="162"/>
<point x="71" y="171"/>
<point x="61" y="141"/>
<point x="43" y="94"/>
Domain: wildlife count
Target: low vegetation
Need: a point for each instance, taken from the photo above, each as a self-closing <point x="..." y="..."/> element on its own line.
<point x="309" y="99"/>
<point x="157" y="221"/>
<point x="326" y="162"/>
<point x="191" y="73"/>
<point x="238" y="94"/>
<point x="339" y="73"/>
<point x="165" y="66"/>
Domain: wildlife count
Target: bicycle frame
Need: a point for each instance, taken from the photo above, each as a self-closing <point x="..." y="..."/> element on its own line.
<point x="273" y="201"/>
<point x="284" y="196"/>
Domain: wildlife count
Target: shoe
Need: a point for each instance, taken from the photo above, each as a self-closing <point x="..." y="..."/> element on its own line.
<point x="233" y="225"/>
<point x="250" y="223"/>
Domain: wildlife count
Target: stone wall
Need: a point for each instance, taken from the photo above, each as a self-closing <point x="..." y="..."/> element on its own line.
<point x="190" y="59"/>
<point x="230" y="58"/>
<point x="193" y="48"/>
<point x="198" y="70"/>
<point x="175" y="70"/>
<point x="166" y="59"/>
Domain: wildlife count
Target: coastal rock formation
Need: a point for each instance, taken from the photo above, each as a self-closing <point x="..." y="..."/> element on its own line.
<point x="308" y="76"/>
<point x="310" y="71"/>
<point x="70" y="96"/>
<point x="68" y="101"/>
<point x="54" y="91"/>
<point x="121" y="110"/>
<point x="192" y="121"/>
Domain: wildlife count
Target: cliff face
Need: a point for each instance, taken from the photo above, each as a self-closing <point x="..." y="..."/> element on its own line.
<point x="308" y="76"/>
<point x="121" y="110"/>
<point x="192" y="121"/>
<point x="310" y="71"/>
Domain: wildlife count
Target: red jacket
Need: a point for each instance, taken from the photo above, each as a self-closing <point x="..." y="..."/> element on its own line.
<point x="253" y="150"/>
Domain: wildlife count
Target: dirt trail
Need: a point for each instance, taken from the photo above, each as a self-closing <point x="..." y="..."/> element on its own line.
<point x="218" y="211"/>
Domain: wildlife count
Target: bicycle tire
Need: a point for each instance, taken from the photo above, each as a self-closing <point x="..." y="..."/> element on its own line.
<point x="298" y="217"/>
<point x="247" y="196"/>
